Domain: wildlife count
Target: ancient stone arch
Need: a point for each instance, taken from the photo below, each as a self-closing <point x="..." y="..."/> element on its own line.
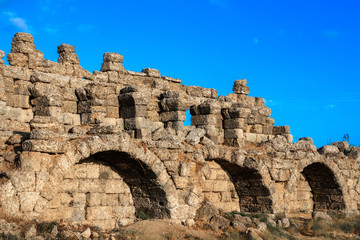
<point x="327" y="193"/>
<point x="103" y="171"/>
<point x="246" y="174"/>
<point x="57" y="116"/>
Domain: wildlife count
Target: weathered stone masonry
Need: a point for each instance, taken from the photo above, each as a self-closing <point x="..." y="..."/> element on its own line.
<point x="109" y="147"/>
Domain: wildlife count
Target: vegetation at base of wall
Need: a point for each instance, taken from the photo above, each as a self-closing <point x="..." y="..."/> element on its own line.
<point x="46" y="227"/>
<point x="8" y="236"/>
<point x="339" y="225"/>
<point x="143" y="215"/>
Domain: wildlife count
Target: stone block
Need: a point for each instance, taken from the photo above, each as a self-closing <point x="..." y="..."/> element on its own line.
<point x="267" y="129"/>
<point x="22" y="87"/>
<point x="239" y="112"/>
<point x="79" y="200"/>
<point x="194" y="136"/>
<point x="47" y="146"/>
<point x="194" y="91"/>
<point x="42" y="134"/>
<point x="233" y="133"/>
<point x="221" y="186"/>
<point x="241" y="82"/>
<point x="144" y="134"/>
<point x="180" y="182"/>
<point x="174" y="104"/>
<point x="109" y="200"/>
<point x="209" y="108"/>
<point x="112" y="66"/>
<point x="68" y="58"/>
<point x="40" y="89"/>
<point x="34" y="161"/>
<point x="281" y="130"/>
<point x="125" y="199"/>
<point x="16" y="72"/>
<point x="124" y="212"/>
<point x="74" y="214"/>
<point x="55" y="202"/>
<point x="21" y="101"/>
<point x="201" y="120"/>
<point x="91" y="185"/>
<point x="234" y="123"/>
<point x="18" y="59"/>
<point x="2" y="54"/>
<point x="128" y="99"/>
<point x="116" y="186"/>
<point x="112" y="57"/>
<point x="172" y="116"/>
<point x="36" y="59"/>
<point x="133" y="111"/>
<point x="69" y="185"/>
<point x="244" y="90"/>
<point x="54" y="79"/>
<point x="151" y="72"/>
<point x="250" y="137"/>
<point x="94" y="199"/>
<point x="214" y="93"/>
<point x="70" y="119"/>
<point x="175" y="80"/>
<point x="23" y="181"/>
<point x="65" y="198"/>
<point x="23" y="37"/>
<point x="22" y="47"/>
<point x="135" y="123"/>
<point x="99" y="213"/>
<point x="65" y="48"/>
<point x="28" y="201"/>
<point x="69" y="106"/>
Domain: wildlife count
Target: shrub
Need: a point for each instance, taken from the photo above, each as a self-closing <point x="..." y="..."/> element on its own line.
<point x="143" y="215"/>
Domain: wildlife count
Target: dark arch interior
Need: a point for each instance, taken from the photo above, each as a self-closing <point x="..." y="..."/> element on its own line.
<point x="253" y="195"/>
<point x="148" y="196"/>
<point x="327" y="194"/>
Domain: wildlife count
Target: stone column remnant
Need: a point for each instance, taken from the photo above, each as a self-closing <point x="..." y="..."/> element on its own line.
<point x="240" y="87"/>
<point x="173" y="107"/>
<point x="23" y="52"/>
<point x="67" y="54"/>
<point x="208" y="117"/>
<point x="112" y="62"/>
<point x="133" y="111"/>
<point x="235" y="124"/>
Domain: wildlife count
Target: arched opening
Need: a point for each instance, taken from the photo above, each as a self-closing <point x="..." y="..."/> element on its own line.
<point x="253" y="195"/>
<point x="109" y="189"/>
<point x="327" y="194"/>
<point x="217" y="188"/>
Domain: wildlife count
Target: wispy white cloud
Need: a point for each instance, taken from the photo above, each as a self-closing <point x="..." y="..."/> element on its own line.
<point x="85" y="27"/>
<point x="51" y="30"/>
<point x="329" y="106"/>
<point x="330" y="33"/>
<point x="18" y="22"/>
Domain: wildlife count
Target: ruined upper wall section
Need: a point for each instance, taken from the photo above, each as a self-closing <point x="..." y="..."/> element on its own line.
<point x="43" y="100"/>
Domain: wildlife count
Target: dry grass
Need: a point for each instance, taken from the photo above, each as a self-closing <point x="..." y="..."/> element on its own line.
<point x="255" y="146"/>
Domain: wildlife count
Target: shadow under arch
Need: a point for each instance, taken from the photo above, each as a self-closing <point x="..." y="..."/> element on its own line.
<point x="327" y="194"/>
<point x="148" y="195"/>
<point x="253" y="195"/>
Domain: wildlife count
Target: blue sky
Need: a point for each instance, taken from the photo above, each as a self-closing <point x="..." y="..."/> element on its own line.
<point x="303" y="57"/>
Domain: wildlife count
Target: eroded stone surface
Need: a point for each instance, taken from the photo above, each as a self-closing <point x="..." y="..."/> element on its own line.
<point x="111" y="147"/>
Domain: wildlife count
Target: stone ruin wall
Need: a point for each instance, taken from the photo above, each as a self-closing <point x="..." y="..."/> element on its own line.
<point x="110" y="147"/>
